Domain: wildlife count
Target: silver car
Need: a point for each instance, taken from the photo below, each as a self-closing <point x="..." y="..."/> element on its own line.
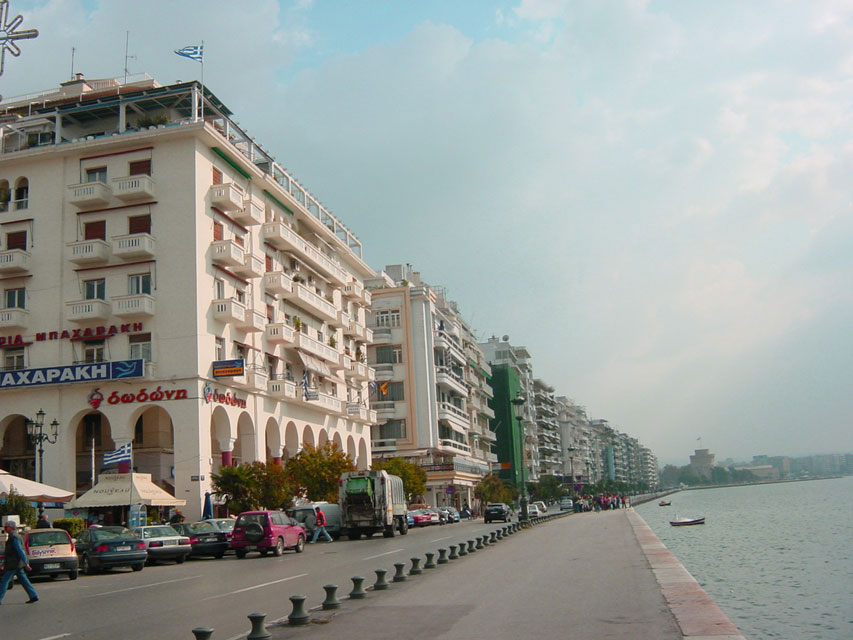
<point x="163" y="543"/>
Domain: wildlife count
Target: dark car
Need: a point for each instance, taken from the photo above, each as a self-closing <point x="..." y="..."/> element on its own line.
<point x="205" y="538"/>
<point x="497" y="511"/>
<point x="104" y="549"/>
<point x="267" y="531"/>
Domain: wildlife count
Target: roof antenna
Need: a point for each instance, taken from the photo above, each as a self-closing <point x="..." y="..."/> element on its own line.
<point x="126" y="56"/>
<point x="72" y="62"/>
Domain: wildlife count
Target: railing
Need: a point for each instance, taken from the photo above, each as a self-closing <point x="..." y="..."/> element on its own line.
<point x="134" y="245"/>
<point x="133" y="187"/>
<point x="318" y="348"/>
<point x="14" y="260"/>
<point x="454" y="444"/>
<point x="135" y="305"/>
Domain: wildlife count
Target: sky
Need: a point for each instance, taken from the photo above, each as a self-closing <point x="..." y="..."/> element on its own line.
<point x="654" y="197"/>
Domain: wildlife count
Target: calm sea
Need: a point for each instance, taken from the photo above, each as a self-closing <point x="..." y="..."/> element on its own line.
<point x="777" y="558"/>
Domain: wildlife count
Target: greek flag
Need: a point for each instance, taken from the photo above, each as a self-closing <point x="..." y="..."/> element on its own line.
<point x="372" y="388"/>
<point x="193" y="52"/>
<point x="122" y="454"/>
<point x="305" y="385"/>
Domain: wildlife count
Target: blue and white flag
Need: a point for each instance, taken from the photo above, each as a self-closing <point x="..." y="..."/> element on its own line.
<point x="122" y="454"/>
<point x="193" y="52"/>
<point x="305" y="384"/>
<point x="372" y="387"/>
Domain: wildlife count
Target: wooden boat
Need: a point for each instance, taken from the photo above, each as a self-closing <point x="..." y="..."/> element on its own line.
<point x="685" y="522"/>
<point x="664" y="504"/>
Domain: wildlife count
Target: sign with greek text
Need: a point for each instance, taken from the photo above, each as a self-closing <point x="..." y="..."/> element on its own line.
<point x="118" y="370"/>
<point x="143" y="395"/>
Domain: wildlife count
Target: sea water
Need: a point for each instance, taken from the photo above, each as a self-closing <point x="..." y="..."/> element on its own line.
<point x="777" y="558"/>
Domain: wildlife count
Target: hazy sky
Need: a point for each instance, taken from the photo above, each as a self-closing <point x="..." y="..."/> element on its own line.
<point x="653" y="197"/>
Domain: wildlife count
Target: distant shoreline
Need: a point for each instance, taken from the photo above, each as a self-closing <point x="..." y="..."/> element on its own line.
<point x="748" y="484"/>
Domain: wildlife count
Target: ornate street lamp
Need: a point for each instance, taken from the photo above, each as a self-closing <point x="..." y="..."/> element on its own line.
<point x="35" y="430"/>
<point x="571" y="450"/>
<point x="518" y="403"/>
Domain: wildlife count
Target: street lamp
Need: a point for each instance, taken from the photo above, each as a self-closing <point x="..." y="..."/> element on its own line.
<point x="518" y="403"/>
<point x="35" y="430"/>
<point x="571" y="450"/>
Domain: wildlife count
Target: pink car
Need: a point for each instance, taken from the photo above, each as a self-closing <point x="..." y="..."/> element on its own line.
<point x="265" y="532"/>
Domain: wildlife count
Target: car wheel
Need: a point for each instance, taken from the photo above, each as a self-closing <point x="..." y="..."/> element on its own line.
<point x="240" y="553"/>
<point x="180" y="559"/>
<point x="300" y="545"/>
<point x="279" y="548"/>
<point x="86" y="566"/>
<point x="138" y="566"/>
<point x="404" y="527"/>
<point x="72" y="575"/>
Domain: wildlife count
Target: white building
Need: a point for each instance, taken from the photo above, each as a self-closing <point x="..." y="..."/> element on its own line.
<point x="145" y="242"/>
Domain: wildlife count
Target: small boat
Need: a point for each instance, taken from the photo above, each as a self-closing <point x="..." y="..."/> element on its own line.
<point x="664" y="504"/>
<point x="684" y="522"/>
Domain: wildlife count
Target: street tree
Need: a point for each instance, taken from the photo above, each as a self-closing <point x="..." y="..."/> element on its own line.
<point x="237" y="485"/>
<point x="273" y="487"/>
<point x="494" y="489"/>
<point x="413" y="476"/>
<point x="17" y="505"/>
<point x="315" y="471"/>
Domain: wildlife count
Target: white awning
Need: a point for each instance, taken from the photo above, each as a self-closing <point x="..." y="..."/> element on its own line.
<point x="315" y="364"/>
<point x="31" y="490"/>
<point x="123" y="489"/>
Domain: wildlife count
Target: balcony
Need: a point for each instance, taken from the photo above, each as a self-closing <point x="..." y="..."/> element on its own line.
<point x="384" y="371"/>
<point x="252" y="379"/>
<point x="443" y="341"/>
<point x="282" y="389"/>
<point x="134" y="188"/>
<point x="343" y="320"/>
<point x="317" y="348"/>
<point x="228" y="197"/>
<point x="357" y="412"/>
<point x="381" y="335"/>
<point x="137" y="306"/>
<point x="457" y="446"/>
<point x="252" y="321"/>
<point x="361" y="371"/>
<point x="384" y="408"/>
<point x="368" y="335"/>
<point x="353" y="290"/>
<point x="18" y="319"/>
<point x="14" y="261"/>
<point x="277" y="282"/>
<point x="446" y="378"/>
<point x="251" y="214"/>
<point x="88" y="251"/>
<point x="313" y="302"/>
<point x="327" y="402"/>
<point x="366" y="298"/>
<point x="456" y="415"/>
<point x="283" y="237"/>
<point x="134" y="246"/>
<point x="279" y="333"/>
<point x="228" y="310"/>
<point x="87" y="310"/>
<point x="252" y="267"/>
<point x="89" y="194"/>
<point x="354" y="329"/>
<point x="227" y="253"/>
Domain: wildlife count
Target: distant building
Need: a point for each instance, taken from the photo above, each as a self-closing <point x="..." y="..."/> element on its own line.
<point x="761" y="471"/>
<point x="701" y="463"/>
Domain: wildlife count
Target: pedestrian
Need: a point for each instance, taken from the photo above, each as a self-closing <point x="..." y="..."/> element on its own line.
<point x="15" y="563"/>
<point x="43" y="522"/>
<point x="320" y="525"/>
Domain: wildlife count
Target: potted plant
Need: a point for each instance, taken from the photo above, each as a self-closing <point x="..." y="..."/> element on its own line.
<point x="332" y="341"/>
<point x="297" y="323"/>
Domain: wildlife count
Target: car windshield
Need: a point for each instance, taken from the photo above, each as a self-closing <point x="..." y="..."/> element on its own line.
<point x="116" y="529"/>
<point x="100" y="535"/>
<point x="42" y="539"/>
<point x="225" y="524"/>
<point x="202" y="527"/>
<point x="158" y="532"/>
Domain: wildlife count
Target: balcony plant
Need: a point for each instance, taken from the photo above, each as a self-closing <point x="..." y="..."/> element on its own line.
<point x="332" y="341"/>
<point x="297" y="323"/>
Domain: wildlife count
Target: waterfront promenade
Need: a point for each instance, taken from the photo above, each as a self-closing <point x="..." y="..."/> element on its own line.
<point x="587" y="576"/>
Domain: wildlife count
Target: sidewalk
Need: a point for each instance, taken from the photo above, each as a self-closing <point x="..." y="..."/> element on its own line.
<point x="585" y="576"/>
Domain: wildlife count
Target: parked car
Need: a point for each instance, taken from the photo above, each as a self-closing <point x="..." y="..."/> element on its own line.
<point x="105" y="548"/>
<point x="421" y="518"/>
<point x="438" y="516"/>
<point x="543" y="508"/>
<point x="225" y="525"/>
<point x="51" y="553"/>
<point x="533" y="510"/>
<point x="451" y="513"/>
<point x="566" y="504"/>
<point x="205" y="538"/>
<point x="163" y="543"/>
<point x="497" y="511"/>
<point x="304" y="515"/>
<point x="266" y="531"/>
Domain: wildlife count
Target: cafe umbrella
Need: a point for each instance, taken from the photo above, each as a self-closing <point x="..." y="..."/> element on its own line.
<point x="31" y="490"/>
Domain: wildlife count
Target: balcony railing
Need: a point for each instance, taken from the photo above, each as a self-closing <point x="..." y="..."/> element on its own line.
<point x="381" y="335"/>
<point x="317" y="348"/>
<point x="279" y="333"/>
<point x="282" y="389"/>
<point x="85" y="310"/>
<point x="228" y="310"/>
<point x="251" y="214"/>
<point x="455" y="445"/>
<point x="134" y="188"/>
<point x="227" y="253"/>
<point x="329" y="402"/>
<point x="89" y="194"/>
<point x="314" y="302"/>
<point x="277" y="282"/>
<point x="228" y="197"/>
<point x="133" y="246"/>
<point x="252" y="267"/>
<point x="14" y="261"/>
<point x="14" y="319"/>
<point x="283" y="237"/>
<point x="353" y="290"/>
<point x="88" y="251"/>
<point x="252" y="321"/>
<point x="141" y="305"/>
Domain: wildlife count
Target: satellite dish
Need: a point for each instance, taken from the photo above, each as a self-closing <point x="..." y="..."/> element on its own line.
<point x="506" y="338"/>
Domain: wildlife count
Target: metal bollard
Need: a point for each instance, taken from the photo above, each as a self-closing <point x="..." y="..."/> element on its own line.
<point x="298" y="616"/>
<point x="471" y="548"/>
<point x="442" y="556"/>
<point x="463" y="551"/>
<point x="381" y="584"/>
<point x="399" y="575"/>
<point x="453" y="555"/>
<point x="202" y="633"/>
<point x="480" y="540"/>
<point x="430" y="563"/>
<point x="416" y="567"/>
<point x="358" y="591"/>
<point x="331" y="601"/>
<point x="258" y="631"/>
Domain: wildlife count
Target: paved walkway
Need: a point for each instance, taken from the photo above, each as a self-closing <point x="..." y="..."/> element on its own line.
<point x="585" y="576"/>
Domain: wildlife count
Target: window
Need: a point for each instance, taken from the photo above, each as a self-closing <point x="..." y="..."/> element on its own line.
<point x="389" y="354"/>
<point x="239" y="296"/>
<point x="96" y="174"/>
<point x="392" y="429"/>
<point x="218" y="289"/>
<point x="95" y="289"/>
<point x="219" y="349"/>
<point x="139" y="283"/>
<point x="388" y="318"/>
<point x="390" y="391"/>
<point x="217" y="176"/>
<point x="270" y="313"/>
<point x="94" y="351"/>
<point x="13" y="359"/>
<point x="239" y="240"/>
<point x="16" y="240"/>
<point x="95" y="230"/>
<point x="217" y="231"/>
<point x="272" y="367"/>
<point x="15" y="298"/>
<point x="139" y="224"/>
<point x="138" y="432"/>
<point x="268" y="262"/>
<point x="140" y="168"/>
<point x="140" y="346"/>
<point x="5" y="195"/>
<point x="22" y="194"/>
<point x="240" y="351"/>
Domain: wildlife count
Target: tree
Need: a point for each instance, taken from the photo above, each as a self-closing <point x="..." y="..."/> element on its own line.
<point x="273" y="487"/>
<point x="494" y="489"/>
<point x="414" y="477"/>
<point x="238" y="486"/>
<point x="315" y="471"/>
<point x="18" y="505"/>
<point x="548" y="488"/>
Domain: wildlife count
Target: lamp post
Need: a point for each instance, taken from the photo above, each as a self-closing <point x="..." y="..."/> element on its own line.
<point x="518" y="403"/>
<point x="35" y="430"/>
<point x="571" y="450"/>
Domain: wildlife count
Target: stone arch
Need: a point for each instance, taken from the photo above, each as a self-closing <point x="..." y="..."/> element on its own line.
<point x="308" y="436"/>
<point x="222" y="437"/>
<point x="245" y="447"/>
<point x="154" y="444"/>
<point x="273" y="440"/>
<point x="22" y="193"/>
<point x="291" y="440"/>
<point x="350" y="450"/>
<point x="89" y="425"/>
<point x="323" y="439"/>
<point x="16" y="455"/>
<point x="338" y="441"/>
<point x="363" y="461"/>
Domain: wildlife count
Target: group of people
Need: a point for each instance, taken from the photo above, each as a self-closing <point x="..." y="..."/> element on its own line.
<point x="599" y="502"/>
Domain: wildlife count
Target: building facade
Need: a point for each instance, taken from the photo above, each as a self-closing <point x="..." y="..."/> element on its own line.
<point x="167" y="284"/>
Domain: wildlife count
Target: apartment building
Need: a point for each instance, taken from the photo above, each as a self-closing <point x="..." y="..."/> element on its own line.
<point x="548" y="434"/>
<point x="432" y="392"/>
<point x="167" y="283"/>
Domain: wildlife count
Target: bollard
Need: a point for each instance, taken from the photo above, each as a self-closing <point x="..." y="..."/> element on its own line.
<point x="202" y="633"/>
<point x="381" y="584"/>
<point x="463" y="551"/>
<point x="497" y="535"/>
<point x="399" y="576"/>
<point x="298" y="616"/>
<point x="453" y="555"/>
<point x="442" y="556"/>
<point x="357" y="591"/>
<point x="430" y="563"/>
<point x="331" y="601"/>
<point x="480" y="540"/>
<point x="471" y="548"/>
<point x="416" y="567"/>
<point x="486" y="540"/>
<point x="258" y="631"/>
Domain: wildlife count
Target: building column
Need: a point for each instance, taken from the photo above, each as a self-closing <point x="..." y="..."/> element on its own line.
<point x="277" y="454"/>
<point x="226" y="445"/>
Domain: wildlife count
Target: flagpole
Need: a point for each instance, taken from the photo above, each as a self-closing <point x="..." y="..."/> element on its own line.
<point x="93" y="461"/>
<point x="130" y="502"/>
<point x="202" y="81"/>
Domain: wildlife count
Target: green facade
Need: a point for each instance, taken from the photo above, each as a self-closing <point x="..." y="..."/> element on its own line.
<point x="506" y="386"/>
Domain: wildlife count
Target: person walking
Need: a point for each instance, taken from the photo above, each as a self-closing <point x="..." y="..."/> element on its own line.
<point x="16" y="564"/>
<point x="320" y="525"/>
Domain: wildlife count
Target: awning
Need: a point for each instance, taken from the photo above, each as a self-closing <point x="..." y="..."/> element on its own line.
<point x="124" y="489"/>
<point x="315" y="364"/>
<point x="31" y="490"/>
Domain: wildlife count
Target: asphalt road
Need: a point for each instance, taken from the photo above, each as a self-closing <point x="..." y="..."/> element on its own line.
<point x="168" y="600"/>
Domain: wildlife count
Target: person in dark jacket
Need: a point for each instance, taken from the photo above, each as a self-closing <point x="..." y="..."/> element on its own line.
<point x="16" y="563"/>
<point x="43" y="522"/>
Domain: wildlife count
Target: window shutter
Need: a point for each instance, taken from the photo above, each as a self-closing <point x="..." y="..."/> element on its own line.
<point x="239" y="240"/>
<point x="268" y="262"/>
<point x="139" y="224"/>
<point x="217" y="176"/>
<point x="140" y="168"/>
<point x="16" y="240"/>
<point x="95" y="230"/>
<point x="217" y="231"/>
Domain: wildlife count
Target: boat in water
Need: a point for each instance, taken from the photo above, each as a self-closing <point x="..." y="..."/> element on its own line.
<point x="663" y="503"/>
<point x="686" y="522"/>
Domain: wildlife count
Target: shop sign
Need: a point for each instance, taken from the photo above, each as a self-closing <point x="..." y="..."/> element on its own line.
<point x="143" y="395"/>
<point x="103" y="331"/>
<point x="213" y="395"/>
<point x="119" y="370"/>
<point x="224" y="368"/>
